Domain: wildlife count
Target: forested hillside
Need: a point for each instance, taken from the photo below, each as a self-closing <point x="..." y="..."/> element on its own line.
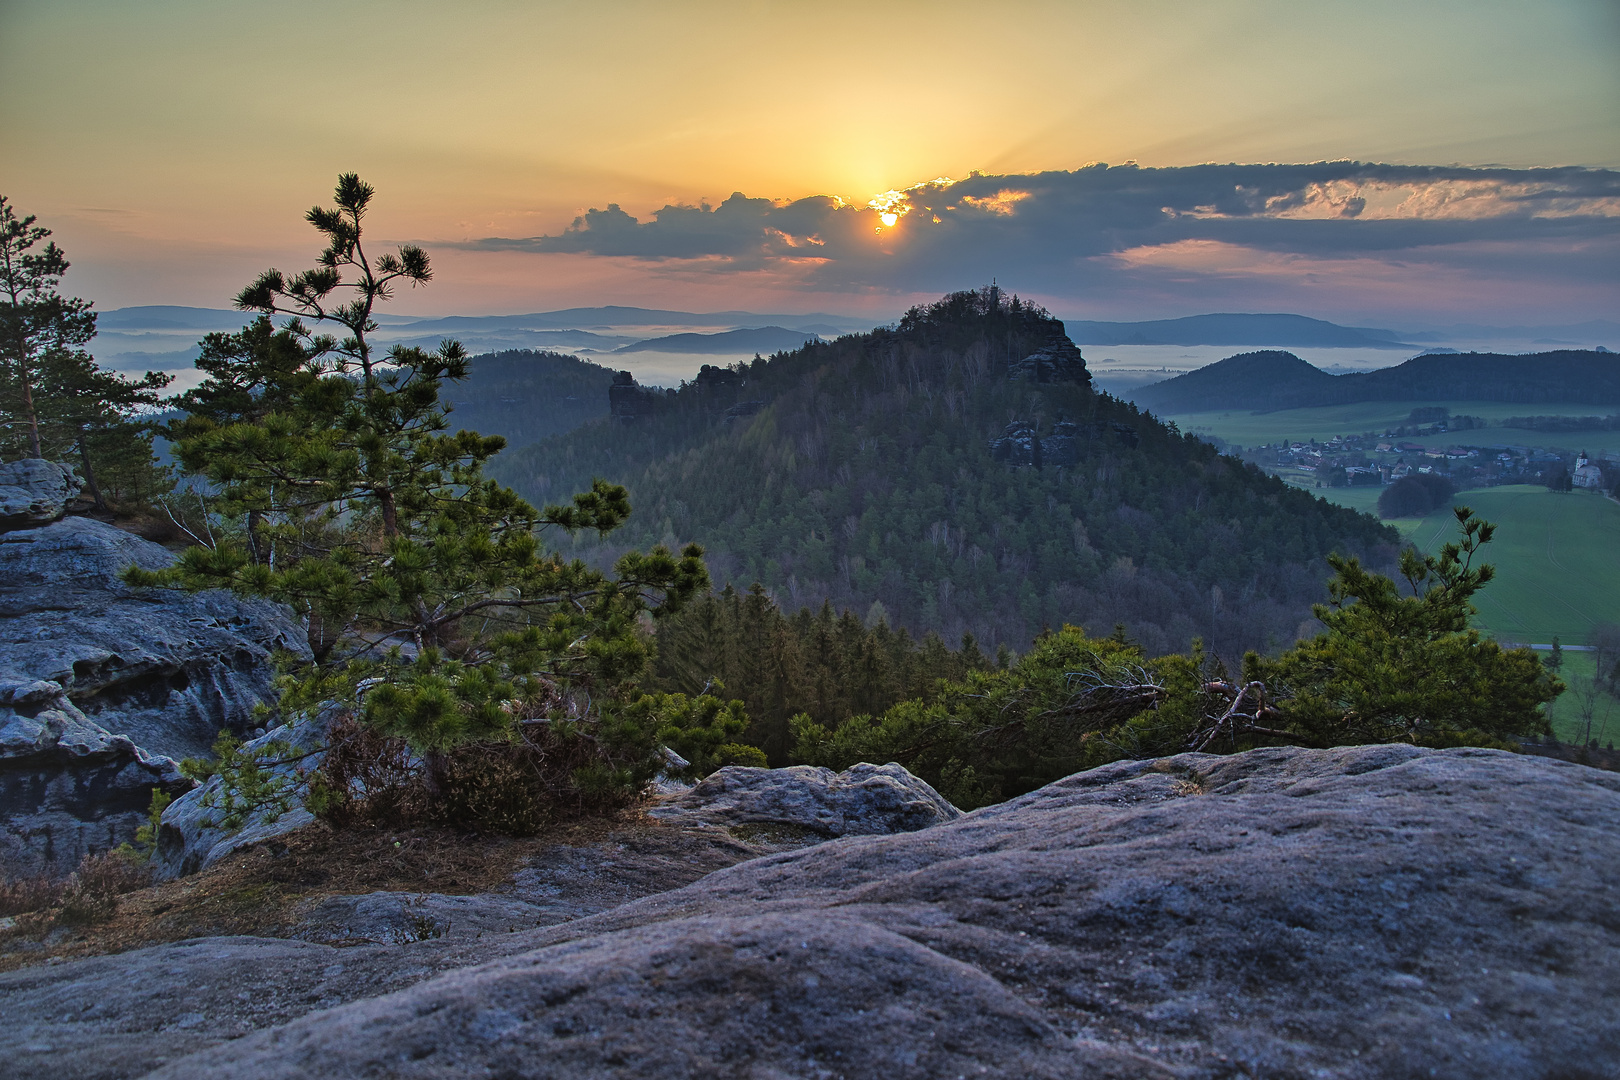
<point x="1271" y="379"/>
<point x="526" y="396"/>
<point x="861" y="471"/>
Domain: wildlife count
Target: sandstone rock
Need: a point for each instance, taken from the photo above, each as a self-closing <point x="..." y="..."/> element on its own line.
<point x="1056" y="362"/>
<point x="1364" y="912"/>
<point x="192" y="835"/>
<point x="391" y="918"/>
<point x="166" y="668"/>
<point x="67" y="786"/>
<point x="120" y="1016"/>
<point x="34" y="492"/>
<point x="156" y="669"/>
<point x="863" y="800"/>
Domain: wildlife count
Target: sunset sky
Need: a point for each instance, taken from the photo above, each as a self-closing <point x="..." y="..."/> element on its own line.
<point x="558" y="154"/>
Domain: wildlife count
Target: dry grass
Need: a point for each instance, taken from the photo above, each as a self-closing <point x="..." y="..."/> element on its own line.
<point x="256" y="891"/>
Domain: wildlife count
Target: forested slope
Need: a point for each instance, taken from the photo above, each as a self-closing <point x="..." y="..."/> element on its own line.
<point x="866" y="476"/>
<point x="527" y="396"/>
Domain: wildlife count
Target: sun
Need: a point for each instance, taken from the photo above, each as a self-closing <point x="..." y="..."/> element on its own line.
<point x="891" y="207"/>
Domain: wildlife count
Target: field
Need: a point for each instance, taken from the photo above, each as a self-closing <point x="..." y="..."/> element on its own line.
<point x="1568" y="712"/>
<point x="1363" y="498"/>
<point x="1255" y="429"/>
<point x="1557" y="561"/>
<point x="1557" y="557"/>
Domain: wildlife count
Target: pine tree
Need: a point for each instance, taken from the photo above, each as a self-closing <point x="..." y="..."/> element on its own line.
<point x="55" y="401"/>
<point x="424" y="588"/>
<point x="1408" y="668"/>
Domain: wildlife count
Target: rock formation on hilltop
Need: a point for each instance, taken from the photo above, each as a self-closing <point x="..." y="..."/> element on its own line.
<point x="86" y="661"/>
<point x="1362" y="912"/>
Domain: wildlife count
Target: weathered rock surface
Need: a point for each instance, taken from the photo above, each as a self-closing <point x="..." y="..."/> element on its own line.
<point x="863" y="800"/>
<point x="34" y="492"/>
<point x="159" y="670"/>
<point x="166" y="668"/>
<point x="1364" y="912"/>
<point x="391" y="918"/>
<point x="67" y="786"/>
<point x="192" y="835"/>
<point x="119" y="1016"/>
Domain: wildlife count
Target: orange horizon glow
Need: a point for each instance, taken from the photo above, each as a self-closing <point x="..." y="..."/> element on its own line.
<point x="174" y="146"/>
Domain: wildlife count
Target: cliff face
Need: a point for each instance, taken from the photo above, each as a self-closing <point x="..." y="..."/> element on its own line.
<point x="168" y="669"/>
<point x="162" y="671"/>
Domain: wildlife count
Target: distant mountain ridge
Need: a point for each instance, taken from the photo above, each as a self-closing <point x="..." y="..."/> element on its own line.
<point x="1270" y="380"/>
<point x="762" y="340"/>
<point x="1296" y="331"/>
<point x="168" y="317"/>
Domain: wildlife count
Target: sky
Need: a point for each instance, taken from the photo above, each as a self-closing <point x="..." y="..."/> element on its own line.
<point x="1392" y="164"/>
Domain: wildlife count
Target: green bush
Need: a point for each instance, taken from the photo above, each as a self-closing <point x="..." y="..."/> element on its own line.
<point x="1388" y="668"/>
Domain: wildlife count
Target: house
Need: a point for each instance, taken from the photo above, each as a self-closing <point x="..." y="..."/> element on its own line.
<point x="1586" y="474"/>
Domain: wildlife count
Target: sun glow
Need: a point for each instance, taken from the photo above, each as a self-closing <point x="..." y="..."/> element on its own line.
<point x="891" y="205"/>
<point x="894" y="204"/>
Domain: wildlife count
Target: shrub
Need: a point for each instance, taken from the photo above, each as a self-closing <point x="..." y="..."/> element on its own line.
<point x="1388" y="668"/>
<point x="1415" y="495"/>
<point x="19" y="896"/>
<point x="565" y="756"/>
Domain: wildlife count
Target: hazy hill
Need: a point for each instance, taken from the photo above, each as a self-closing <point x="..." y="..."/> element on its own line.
<point x="1266" y="381"/>
<point x="1234" y="329"/>
<point x="763" y="340"/>
<point x="165" y="337"/>
<point x="867" y="475"/>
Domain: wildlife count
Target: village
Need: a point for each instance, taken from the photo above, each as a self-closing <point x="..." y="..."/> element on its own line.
<point x="1375" y="459"/>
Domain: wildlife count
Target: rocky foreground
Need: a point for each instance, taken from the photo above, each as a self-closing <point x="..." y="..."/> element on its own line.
<point x="1361" y="912"/>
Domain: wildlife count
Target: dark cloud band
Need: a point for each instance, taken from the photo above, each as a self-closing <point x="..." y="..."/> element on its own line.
<point x="1052" y="224"/>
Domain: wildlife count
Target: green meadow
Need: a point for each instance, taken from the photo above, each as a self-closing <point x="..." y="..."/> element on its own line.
<point x="1557" y="559"/>
<point x="1568" y="712"/>
<point x="1300" y="425"/>
<point x="1363" y="498"/>
<point x="1557" y="556"/>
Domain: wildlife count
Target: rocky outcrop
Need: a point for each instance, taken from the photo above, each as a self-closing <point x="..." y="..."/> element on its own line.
<point x="864" y="800"/>
<point x="128" y="678"/>
<point x="192" y="835"/>
<point x="1363" y="912"/>
<point x="67" y="787"/>
<point x="629" y="401"/>
<point x="167" y="669"/>
<point x="1058" y="361"/>
<point x="1019" y="444"/>
<point x="34" y="492"/>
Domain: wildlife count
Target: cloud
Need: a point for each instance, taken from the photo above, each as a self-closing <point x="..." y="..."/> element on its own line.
<point x="1059" y="232"/>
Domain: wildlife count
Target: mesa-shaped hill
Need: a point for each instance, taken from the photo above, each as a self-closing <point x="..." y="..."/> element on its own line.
<point x="862" y="470"/>
<point x="1296" y="331"/>
<point x="1271" y="380"/>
